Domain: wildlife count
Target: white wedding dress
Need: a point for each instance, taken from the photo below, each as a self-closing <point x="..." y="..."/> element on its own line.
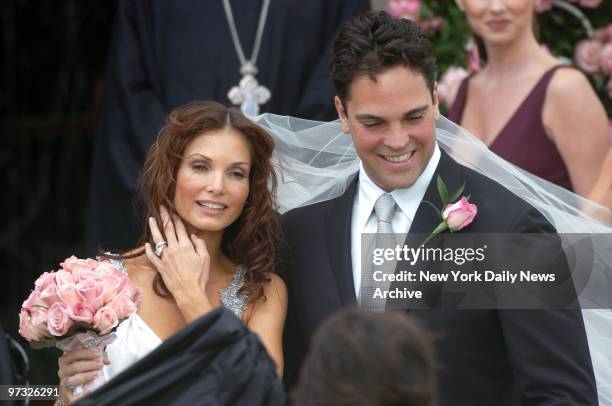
<point x="135" y="339"/>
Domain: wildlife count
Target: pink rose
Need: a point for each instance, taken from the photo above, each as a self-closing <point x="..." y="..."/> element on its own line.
<point x="75" y="265"/>
<point x="123" y="306"/>
<point x="50" y="294"/>
<point x="105" y="320"/>
<point x="59" y="321"/>
<point x="543" y="5"/>
<point x="63" y="277"/>
<point x="449" y="84"/>
<point x="29" y="330"/>
<point x="609" y="29"/>
<point x="69" y="294"/>
<point x="43" y="281"/>
<point x="405" y="8"/>
<point x="82" y="312"/>
<point x="605" y="59"/>
<point x="459" y="214"/>
<point x="590" y="3"/>
<point x="34" y="300"/>
<point x="91" y="292"/>
<point x="112" y="285"/>
<point x="600" y="35"/>
<point x="587" y="55"/>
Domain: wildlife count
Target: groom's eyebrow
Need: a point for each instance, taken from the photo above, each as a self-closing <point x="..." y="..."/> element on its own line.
<point x="412" y="112"/>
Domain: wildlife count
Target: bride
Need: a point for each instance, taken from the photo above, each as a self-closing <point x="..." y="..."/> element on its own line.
<point x="210" y="241"/>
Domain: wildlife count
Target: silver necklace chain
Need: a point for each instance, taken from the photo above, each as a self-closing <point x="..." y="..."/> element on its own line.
<point x="263" y="15"/>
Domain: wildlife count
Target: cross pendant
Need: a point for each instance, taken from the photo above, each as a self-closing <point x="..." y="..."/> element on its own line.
<point x="249" y="95"/>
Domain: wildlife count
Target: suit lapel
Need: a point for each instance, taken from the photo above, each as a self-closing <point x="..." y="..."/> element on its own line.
<point x="338" y="235"/>
<point x="426" y="219"/>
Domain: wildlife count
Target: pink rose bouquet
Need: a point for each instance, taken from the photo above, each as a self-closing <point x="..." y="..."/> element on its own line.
<point x="78" y="306"/>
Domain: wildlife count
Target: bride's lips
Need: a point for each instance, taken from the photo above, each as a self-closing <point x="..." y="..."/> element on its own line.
<point x="211" y="207"/>
<point x="398" y="160"/>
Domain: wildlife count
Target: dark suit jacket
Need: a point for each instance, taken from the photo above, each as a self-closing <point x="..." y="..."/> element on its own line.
<point x="488" y="357"/>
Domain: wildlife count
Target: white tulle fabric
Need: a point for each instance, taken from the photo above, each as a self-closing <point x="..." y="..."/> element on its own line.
<point x="315" y="161"/>
<point x="135" y="340"/>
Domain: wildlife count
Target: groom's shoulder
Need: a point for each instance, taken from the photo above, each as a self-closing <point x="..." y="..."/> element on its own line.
<point x="308" y="215"/>
<point x="499" y="209"/>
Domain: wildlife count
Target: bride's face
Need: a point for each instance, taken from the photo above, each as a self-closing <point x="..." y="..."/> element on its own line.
<point x="212" y="183"/>
<point x="499" y="21"/>
<point x="392" y="122"/>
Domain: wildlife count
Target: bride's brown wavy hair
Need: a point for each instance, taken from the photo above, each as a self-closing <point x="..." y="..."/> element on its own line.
<point x="252" y="239"/>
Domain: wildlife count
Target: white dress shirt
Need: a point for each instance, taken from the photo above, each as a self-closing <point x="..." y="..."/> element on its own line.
<point x="364" y="219"/>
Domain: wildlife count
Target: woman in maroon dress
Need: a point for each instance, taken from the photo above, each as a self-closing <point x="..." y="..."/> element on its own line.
<point x="535" y="113"/>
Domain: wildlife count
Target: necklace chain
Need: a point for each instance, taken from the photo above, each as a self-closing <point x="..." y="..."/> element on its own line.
<point x="258" y="36"/>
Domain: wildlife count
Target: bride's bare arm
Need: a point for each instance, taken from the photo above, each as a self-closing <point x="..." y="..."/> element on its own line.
<point x="267" y="319"/>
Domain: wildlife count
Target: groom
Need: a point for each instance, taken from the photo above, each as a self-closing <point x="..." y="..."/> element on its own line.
<point x="384" y="72"/>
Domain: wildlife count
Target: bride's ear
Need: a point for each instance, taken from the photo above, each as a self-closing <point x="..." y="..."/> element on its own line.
<point x="342" y="115"/>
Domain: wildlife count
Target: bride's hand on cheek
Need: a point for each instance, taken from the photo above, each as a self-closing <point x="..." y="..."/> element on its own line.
<point x="184" y="264"/>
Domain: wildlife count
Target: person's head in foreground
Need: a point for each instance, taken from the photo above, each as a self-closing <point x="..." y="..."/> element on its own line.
<point x="384" y="73"/>
<point x="366" y="358"/>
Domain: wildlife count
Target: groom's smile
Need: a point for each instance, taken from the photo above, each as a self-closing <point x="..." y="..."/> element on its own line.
<point x="392" y="121"/>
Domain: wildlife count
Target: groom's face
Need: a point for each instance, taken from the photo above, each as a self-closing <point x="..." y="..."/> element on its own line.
<point x="392" y="122"/>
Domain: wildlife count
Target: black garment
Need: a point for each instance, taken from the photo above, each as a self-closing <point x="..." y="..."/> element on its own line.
<point x="214" y="361"/>
<point x="6" y="366"/>
<point x="488" y="357"/>
<point x="167" y="53"/>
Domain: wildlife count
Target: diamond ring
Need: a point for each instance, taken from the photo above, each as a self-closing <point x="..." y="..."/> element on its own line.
<point x="159" y="248"/>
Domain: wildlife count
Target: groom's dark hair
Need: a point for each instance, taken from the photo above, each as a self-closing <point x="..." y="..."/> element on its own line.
<point x="375" y="41"/>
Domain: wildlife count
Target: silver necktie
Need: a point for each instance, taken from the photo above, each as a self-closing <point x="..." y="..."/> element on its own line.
<point x="384" y="208"/>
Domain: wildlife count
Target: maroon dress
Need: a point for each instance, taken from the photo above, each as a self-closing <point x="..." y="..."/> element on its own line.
<point x="523" y="140"/>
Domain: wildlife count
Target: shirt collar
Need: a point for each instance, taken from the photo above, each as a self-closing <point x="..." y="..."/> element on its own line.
<point x="407" y="199"/>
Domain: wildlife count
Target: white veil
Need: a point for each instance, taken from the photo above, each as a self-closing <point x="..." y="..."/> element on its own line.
<point x="315" y="161"/>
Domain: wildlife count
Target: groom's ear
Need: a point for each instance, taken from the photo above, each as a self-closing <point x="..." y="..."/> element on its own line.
<point x="435" y="101"/>
<point x="342" y="115"/>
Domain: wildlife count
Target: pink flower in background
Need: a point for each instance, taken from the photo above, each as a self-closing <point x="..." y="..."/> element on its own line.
<point x="605" y="59"/>
<point x="449" y="84"/>
<point x="105" y="320"/>
<point x="587" y="55"/>
<point x="609" y="30"/>
<point x="459" y="214"/>
<point x="59" y="321"/>
<point x="543" y="5"/>
<point x="433" y="24"/>
<point x="473" y="56"/>
<point x="405" y="8"/>
<point x="590" y="3"/>
<point x="601" y="35"/>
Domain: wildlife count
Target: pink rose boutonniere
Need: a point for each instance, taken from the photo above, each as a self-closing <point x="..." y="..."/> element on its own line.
<point x="455" y="214"/>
